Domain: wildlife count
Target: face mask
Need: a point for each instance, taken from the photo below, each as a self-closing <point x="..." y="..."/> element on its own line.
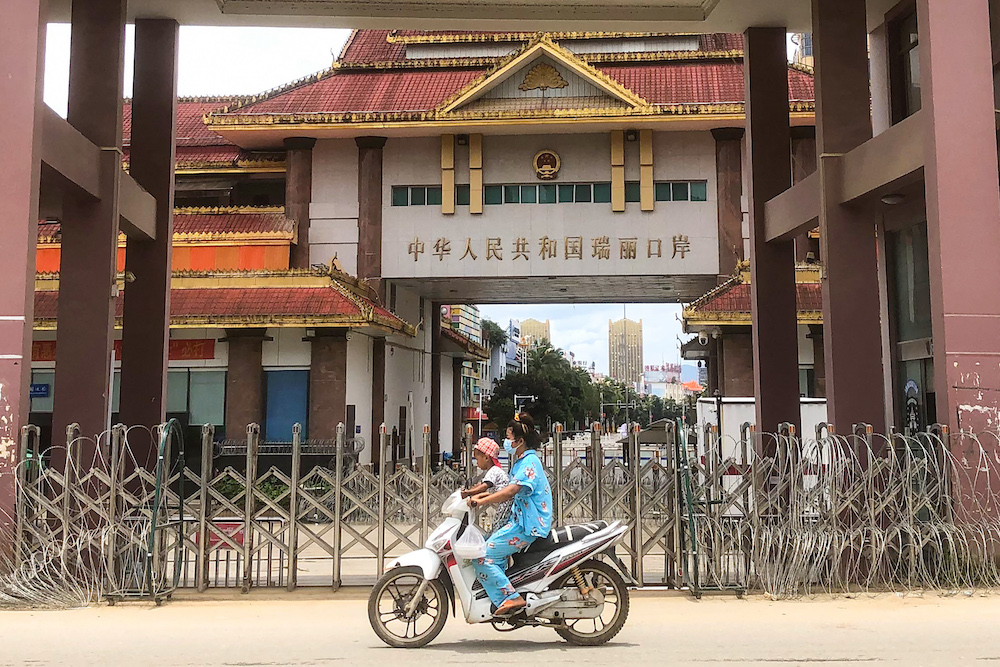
<point x="508" y="445"/>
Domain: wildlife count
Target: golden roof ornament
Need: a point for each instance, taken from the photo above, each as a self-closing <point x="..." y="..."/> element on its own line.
<point x="541" y="77"/>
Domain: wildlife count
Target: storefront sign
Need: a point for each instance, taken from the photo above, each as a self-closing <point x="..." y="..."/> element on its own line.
<point x="179" y="350"/>
<point x="231" y="529"/>
<point x="572" y="247"/>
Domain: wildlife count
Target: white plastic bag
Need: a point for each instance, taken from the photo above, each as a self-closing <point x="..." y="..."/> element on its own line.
<point x="471" y="544"/>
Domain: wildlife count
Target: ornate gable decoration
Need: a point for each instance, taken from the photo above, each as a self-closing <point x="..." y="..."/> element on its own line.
<point x="541" y="77"/>
<point x="546" y="66"/>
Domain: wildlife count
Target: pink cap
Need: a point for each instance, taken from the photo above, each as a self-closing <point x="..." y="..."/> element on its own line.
<point x="490" y="448"/>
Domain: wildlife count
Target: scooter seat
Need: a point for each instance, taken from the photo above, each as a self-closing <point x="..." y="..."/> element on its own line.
<point x="557" y="538"/>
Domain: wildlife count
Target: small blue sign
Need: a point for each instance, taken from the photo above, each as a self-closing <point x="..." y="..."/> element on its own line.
<point x="357" y="429"/>
<point x="40" y="390"/>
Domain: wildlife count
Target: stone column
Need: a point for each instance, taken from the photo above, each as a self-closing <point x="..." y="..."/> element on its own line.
<point x="738" y="361"/>
<point x="456" y="406"/>
<point x="378" y="396"/>
<point x="298" y="194"/>
<point x="804" y="164"/>
<point x="328" y="383"/>
<point x="729" y="193"/>
<point x="963" y="207"/>
<point x="370" y="207"/>
<point x="22" y="49"/>
<point x="851" y="325"/>
<point x="89" y="257"/>
<point x="151" y="163"/>
<point x="244" y="381"/>
<point x="772" y="265"/>
<point x="436" y="345"/>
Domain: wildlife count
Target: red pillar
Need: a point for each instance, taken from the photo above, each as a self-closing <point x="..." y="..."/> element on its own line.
<point x="88" y="266"/>
<point x="963" y="210"/>
<point x="151" y="163"/>
<point x="852" y="334"/>
<point x="456" y="407"/>
<point x="729" y="192"/>
<point x="22" y="48"/>
<point x="328" y="384"/>
<point x="772" y="265"/>
<point x="803" y="165"/>
<point x="298" y="194"/>
<point x="244" y="381"/>
<point x="378" y="398"/>
<point x="437" y="343"/>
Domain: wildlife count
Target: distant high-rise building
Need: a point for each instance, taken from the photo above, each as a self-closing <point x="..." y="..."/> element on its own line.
<point x="625" y="350"/>
<point x="534" y="332"/>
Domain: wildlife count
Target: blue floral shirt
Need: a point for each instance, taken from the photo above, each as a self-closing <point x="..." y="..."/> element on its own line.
<point x="532" y="508"/>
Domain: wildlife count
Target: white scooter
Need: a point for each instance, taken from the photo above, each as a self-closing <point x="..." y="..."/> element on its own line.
<point x="566" y="584"/>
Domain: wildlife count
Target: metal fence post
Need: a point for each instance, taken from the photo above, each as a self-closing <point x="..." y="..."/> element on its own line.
<point x="557" y="469"/>
<point x="72" y="435"/>
<point x="293" y="508"/>
<point x="338" y="501"/>
<point x="29" y="434"/>
<point x="207" y="440"/>
<point x="380" y="531"/>
<point x="636" y="465"/>
<point x="114" y="469"/>
<point x="253" y="441"/>
<point x="597" y="465"/>
<point x="425" y="476"/>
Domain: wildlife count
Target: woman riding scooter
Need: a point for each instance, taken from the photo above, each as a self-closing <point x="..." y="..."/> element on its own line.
<point x="530" y="515"/>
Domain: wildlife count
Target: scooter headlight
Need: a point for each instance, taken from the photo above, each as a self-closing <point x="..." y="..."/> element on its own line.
<point x="438" y="540"/>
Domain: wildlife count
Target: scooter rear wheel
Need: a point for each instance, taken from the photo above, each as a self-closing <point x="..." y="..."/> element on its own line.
<point x="600" y="630"/>
<point x="387" y="608"/>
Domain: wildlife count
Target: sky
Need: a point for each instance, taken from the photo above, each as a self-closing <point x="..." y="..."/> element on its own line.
<point x="233" y="61"/>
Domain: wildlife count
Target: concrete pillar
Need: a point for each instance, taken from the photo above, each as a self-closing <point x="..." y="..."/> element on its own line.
<point x="804" y="164"/>
<point x="963" y="207"/>
<point x="370" y="207"/>
<point x="22" y="48"/>
<point x="456" y="406"/>
<point x="151" y="163"/>
<point x="772" y="265"/>
<point x="88" y="265"/>
<point x="378" y="396"/>
<point x="729" y="192"/>
<point x="328" y="383"/>
<point x="714" y="365"/>
<point x="819" y="359"/>
<point x="851" y="325"/>
<point x="298" y="194"/>
<point x="737" y="355"/>
<point x="436" y="347"/>
<point x="244" y="381"/>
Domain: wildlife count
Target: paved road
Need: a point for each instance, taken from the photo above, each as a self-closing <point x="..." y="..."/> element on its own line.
<point x="317" y="628"/>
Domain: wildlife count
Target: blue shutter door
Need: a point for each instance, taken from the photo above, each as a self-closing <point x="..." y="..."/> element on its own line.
<point x="287" y="403"/>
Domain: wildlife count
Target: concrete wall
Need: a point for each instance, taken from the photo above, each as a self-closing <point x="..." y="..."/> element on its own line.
<point x="407" y="369"/>
<point x="359" y="388"/>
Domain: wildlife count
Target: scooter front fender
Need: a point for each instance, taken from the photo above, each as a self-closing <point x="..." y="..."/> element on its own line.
<point x="428" y="562"/>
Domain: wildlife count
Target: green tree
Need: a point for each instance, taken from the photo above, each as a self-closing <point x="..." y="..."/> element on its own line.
<point x="494" y="335"/>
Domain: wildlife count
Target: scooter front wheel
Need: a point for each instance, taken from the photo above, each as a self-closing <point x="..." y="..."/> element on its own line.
<point x="399" y="623"/>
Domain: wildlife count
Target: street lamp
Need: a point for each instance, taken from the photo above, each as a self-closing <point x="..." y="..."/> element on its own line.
<point x="519" y="399"/>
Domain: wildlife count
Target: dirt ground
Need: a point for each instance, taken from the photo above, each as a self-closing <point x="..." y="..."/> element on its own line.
<point x="317" y="627"/>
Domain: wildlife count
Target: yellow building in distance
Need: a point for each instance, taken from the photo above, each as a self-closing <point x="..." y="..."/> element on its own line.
<point x="625" y="350"/>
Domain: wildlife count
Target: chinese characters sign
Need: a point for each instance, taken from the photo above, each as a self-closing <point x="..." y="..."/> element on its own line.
<point x="548" y="248"/>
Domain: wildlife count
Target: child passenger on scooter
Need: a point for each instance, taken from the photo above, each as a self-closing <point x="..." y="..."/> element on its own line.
<point x="494" y="479"/>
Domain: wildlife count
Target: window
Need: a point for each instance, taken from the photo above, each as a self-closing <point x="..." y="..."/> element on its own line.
<point x="679" y="191"/>
<point x="633" y="192"/>
<point x="177" y="392"/>
<point x="418" y="196"/>
<point x="493" y="194"/>
<point x="42" y="395"/>
<point x="547" y="194"/>
<point x="904" y="64"/>
<point x="511" y="194"/>
<point x="662" y="191"/>
<point x="699" y="191"/>
<point x="400" y="195"/>
<point x="566" y="193"/>
<point x="602" y="193"/>
<point x="462" y="195"/>
<point x="434" y="196"/>
<point x="207" y="397"/>
<point x="583" y="193"/>
<point x="529" y="194"/>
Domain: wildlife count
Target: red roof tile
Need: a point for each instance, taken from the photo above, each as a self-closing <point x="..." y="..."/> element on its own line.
<point x="721" y="41"/>
<point x="225" y="221"/>
<point x="346" y="92"/>
<point x="808" y="296"/>
<point x="696" y="82"/>
<point x="369" y="46"/>
<point x="191" y="129"/>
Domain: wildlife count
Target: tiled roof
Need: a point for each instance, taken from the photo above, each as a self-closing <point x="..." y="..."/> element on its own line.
<point x="736" y="299"/>
<point x="191" y="130"/>
<point x="330" y="305"/>
<point x="207" y="223"/>
<point x="369" y="46"/>
<point x="346" y="92"/>
<point x="697" y="82"/>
